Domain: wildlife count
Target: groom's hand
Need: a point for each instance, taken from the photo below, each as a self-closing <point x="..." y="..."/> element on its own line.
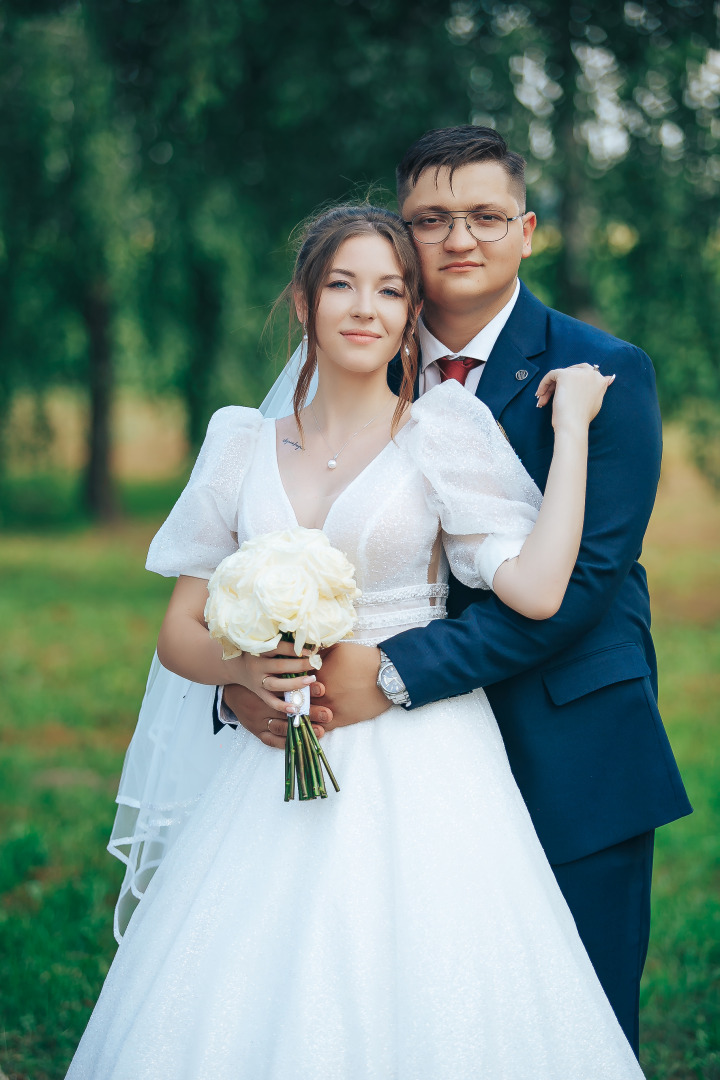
<point x="349" y="673"/>
<point x="268" y="726"/>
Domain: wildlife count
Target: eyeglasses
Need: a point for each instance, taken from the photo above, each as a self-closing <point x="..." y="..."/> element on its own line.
<point x="433" y="227"/>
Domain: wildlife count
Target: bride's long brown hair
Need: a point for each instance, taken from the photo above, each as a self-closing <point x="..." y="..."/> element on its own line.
<point x="319" y="241"/>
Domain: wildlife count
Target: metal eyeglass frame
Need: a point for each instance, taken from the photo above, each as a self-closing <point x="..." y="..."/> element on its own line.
<point x="447" y="213"/>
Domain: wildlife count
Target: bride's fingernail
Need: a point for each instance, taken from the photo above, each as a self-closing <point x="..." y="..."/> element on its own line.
<point x="309" y="679"/>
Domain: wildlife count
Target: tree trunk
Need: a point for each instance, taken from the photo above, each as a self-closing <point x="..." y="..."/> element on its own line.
<point x="574" y="295"/>
<point x="99" y="492"/>
<point x="206" y="314"/>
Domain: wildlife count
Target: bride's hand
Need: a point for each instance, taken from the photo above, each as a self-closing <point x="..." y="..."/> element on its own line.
<point x="578" y="394"/>
<point x="261" y="674"/>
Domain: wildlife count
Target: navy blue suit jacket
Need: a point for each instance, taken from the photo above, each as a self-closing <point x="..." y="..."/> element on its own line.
<point x="575" y="696"/>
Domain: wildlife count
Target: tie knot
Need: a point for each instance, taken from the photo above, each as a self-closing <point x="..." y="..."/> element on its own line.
<point x="457" y="367"/>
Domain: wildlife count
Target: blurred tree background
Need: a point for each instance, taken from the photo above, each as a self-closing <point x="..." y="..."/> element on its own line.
<point x="156" y="156"/>
<point x="158" y="153"/>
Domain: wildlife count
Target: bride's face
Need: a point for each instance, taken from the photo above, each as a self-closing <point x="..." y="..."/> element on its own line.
<point x="363" y="306"/>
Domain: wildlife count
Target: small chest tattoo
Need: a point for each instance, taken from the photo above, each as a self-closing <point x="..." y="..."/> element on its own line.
<point x="295" y="444"/>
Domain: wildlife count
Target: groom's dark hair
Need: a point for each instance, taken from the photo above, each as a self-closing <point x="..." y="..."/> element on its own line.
<point x="450" y="148"/>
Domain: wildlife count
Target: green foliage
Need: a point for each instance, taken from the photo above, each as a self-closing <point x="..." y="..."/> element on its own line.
<point x="61" y="192"/>
<point x="157" y="157"/>
<point x="45" y="500"/>
<point x="76" y="639"/>
<point x="680" y="999"/>
<point x="24" y="851"/>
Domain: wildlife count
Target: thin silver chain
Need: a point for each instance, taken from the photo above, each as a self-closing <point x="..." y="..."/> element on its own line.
<point x="334" y="457"/>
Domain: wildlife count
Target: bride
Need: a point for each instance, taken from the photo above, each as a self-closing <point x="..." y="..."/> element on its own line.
<point x="409" y="927"/>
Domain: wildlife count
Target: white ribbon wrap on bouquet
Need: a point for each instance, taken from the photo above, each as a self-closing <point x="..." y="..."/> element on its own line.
<point x="174" y="754"/>
<point x="300" y="700"/>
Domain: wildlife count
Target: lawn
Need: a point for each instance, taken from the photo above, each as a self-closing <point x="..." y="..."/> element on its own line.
<point x="79" y="618"/>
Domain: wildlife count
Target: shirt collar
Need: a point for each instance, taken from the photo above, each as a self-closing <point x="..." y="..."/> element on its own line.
<point x="479" y="348"/>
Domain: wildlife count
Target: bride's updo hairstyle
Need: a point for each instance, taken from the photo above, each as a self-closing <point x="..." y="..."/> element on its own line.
<point x="319" y="241"/>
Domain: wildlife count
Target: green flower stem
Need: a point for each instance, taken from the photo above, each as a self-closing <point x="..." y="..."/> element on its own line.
<point x="289" y="769"/>
<point x="304" y="757"/>
<point x="315" y="756"/>
<point x="311" y="758"/>
<point x="299" y="762"/>
<point x="321" y="754"/>
<point x="310" y="778"/>
<point x="290" y="777"/>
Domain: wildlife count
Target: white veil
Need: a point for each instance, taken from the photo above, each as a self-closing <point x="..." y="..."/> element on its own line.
<point x="279" y="401"/>
<point x="173" y="754"/>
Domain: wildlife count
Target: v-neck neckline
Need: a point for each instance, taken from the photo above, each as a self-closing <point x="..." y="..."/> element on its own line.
<point x="272" y="424"/>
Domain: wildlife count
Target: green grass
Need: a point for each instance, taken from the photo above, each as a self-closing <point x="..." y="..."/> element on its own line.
<point x="52" y="500"/>
<point x="79" y="618"/>
<point x="680" y="997"/>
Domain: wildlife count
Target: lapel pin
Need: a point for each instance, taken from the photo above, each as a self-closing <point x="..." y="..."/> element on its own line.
<point x="521" y="375"/>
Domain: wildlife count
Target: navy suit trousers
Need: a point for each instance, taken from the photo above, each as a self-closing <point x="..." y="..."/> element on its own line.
<point x="608" y="893"/>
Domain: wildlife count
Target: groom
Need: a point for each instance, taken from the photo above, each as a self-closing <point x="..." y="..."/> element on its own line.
<point x="574" y="696"/>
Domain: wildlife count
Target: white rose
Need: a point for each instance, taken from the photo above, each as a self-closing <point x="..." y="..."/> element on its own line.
<point x="337" y="577"/>
<point x="292" y="581"/>
<point x="329" y="622"/>
<point x="286" y="591"/>
<point x="239" y="623"/>
<point x="232" y="612"/>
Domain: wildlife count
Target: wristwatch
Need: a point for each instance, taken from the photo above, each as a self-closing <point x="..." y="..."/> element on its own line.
<point x="390" y="683"/>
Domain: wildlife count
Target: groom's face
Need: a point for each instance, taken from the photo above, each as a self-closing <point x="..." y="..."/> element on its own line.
<point x="463" y="273"/>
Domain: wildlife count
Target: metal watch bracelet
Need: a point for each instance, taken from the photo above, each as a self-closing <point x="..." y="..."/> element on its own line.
<point x="390" y="682"/>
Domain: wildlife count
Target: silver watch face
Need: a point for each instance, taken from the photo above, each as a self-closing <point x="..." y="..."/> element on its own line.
<point x="390" y="681"/>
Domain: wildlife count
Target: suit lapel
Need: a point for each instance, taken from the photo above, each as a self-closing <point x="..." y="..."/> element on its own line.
<point x="507" y="373"/>
<point x="509" y="369"/>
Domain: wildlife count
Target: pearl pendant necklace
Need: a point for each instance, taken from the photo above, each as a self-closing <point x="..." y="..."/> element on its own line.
<point x="332" y="462"/>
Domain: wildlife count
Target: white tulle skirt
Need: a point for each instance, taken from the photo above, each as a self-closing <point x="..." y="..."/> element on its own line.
<point x="409" y="928"/>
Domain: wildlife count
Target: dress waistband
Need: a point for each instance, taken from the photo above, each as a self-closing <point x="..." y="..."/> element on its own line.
<point x="401" y="617"/>
<point x="406" y="592"/>
<point x="398" y="609"/>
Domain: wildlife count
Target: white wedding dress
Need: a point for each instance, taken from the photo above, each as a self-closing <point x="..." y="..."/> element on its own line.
<point x="409" y="927"/>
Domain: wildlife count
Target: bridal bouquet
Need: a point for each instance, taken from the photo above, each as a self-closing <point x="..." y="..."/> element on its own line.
<point x="291" y="585"/>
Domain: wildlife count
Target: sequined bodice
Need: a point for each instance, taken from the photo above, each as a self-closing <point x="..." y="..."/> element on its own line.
<point x="382" y="521"/>
<point x="448" y="494"/>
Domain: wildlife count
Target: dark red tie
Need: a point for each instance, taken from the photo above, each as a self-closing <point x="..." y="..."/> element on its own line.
<point x="457" y="368"/>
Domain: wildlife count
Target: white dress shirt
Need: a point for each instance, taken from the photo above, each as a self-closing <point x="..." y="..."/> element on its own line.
<point x="432" y="350"/>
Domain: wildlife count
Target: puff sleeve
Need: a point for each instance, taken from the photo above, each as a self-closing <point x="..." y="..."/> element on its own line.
<point x="201" y="529"/>
<point x="485" y="500"/>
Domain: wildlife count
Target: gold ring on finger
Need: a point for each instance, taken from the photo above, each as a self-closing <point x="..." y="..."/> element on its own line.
<point x="262" y="682"/>
<point x="268" y="724"/>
